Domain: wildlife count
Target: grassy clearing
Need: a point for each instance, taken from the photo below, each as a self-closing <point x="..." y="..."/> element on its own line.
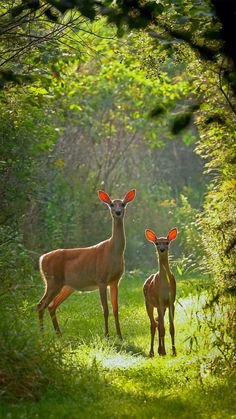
<point x="84" y="375"/>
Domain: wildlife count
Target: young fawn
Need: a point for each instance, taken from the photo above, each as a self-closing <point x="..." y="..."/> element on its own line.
<point x="87" y="269"/>
<point x="160" y="291"/>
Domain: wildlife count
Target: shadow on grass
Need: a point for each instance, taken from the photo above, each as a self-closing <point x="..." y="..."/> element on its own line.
<point x="91" y="393"/>
<point x="130" y="349"/>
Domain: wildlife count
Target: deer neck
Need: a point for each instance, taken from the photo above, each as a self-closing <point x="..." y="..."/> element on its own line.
<point x="164" y="266"/>
<point x="118" y="235"/>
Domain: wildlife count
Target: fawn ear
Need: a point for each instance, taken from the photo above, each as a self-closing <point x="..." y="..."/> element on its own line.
<point x="151" y="236"/>
<point x="129" y="196"/>
<point x="104" y="197"/>
<point x="172" y="234"/>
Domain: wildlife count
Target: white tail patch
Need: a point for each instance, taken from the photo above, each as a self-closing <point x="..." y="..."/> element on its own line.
<point x="41" y="269"/>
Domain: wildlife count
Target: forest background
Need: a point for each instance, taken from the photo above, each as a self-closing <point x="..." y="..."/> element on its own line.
<point x="116" y="96"/>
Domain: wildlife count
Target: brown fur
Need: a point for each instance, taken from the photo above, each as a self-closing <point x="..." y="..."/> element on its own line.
<point x="87" y="269"/>
<point x="160" y="292"/>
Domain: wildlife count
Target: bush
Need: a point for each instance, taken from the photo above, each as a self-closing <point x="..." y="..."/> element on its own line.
<point x="29" y="363"/>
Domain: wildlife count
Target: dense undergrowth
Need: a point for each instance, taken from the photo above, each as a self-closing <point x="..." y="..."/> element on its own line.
<point x="85" y="375"/>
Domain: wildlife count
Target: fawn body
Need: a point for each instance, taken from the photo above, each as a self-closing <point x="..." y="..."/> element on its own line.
<point x="160" y="292"/>
<point x="88" y="268"/>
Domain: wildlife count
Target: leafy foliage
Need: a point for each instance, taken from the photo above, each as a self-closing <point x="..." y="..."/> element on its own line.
<point x="217" y="146"/>
<point x="202" y="30"/>
<point x="211" y="103"/>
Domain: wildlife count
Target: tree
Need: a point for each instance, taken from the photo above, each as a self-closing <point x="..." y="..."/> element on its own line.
<point x="209" y="28"/>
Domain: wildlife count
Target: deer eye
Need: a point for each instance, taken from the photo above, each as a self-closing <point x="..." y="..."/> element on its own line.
<point x="111" y="205"/>
<point x="123" y="204"/>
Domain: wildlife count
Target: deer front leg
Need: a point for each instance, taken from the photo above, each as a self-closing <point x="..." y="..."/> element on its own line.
<point x="172" y="327"/>
<point x="114" y="302"/>
<point x="103" y="298"/>
<point x="161" y="331"/>
<point x="153" y="326"/>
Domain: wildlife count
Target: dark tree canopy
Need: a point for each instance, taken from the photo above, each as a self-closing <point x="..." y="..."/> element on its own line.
<point x="209" y="27"/>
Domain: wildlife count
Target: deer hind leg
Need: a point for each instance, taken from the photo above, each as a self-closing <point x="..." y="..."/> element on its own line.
<point x="161" y="331"/>
<point x="52" y="289"/>
<point x="153" y="326"/>
<point x="63" y="294"/>
<point x="103" y="298"/>
<point x="172" y="327"/>
<point x="114" y="302"/>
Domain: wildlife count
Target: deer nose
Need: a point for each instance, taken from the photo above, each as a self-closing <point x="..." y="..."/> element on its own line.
<point x="118" y="212"/>
<point x="162" y="250"/>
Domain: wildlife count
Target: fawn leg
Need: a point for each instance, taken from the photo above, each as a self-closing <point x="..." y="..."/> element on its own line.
<point x="161" y="330"/>
<point x="153" y="326"/>
<point x="172" y="327"/>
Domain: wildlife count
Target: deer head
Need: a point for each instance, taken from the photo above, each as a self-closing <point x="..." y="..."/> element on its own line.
<point x="161" y="243"/>
<point x="117" y="206"/>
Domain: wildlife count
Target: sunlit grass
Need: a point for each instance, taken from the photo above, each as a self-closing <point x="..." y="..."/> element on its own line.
<point x="109" y="378"/>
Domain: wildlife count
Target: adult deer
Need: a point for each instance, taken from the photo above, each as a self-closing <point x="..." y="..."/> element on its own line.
<point x="160" y="291"/>
<point x="88" y="268"/>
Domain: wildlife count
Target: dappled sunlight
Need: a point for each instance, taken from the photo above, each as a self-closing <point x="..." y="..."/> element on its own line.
<point x="189" y="307"/>
<point x="110" y="355"/>
<point x="121" y="361"/>
<point x="108" y="375"/>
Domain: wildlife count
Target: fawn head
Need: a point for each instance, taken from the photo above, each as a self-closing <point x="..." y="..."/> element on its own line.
<point x="161" y="243"/>
<point x="117" y="206"/>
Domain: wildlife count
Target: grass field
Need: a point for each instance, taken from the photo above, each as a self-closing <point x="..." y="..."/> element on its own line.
<point x="83" y="375"/>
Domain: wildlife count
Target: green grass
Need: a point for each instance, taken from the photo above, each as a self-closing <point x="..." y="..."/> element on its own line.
<point x="83" y="375"/>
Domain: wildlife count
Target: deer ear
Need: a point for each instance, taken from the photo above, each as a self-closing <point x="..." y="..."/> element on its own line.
<point x="151" y="236"/>
<point x="129" y="196"/>
<point x="104" y="197"/>
<point x="172" y="234"/>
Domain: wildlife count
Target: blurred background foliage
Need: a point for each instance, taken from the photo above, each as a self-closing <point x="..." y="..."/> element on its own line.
<point x="84" y="110"/>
